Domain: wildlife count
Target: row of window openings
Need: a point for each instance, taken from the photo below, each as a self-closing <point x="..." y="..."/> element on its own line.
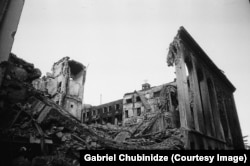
<point x="104" y="110"/>
<point x="117" y="119"/>
<point x="138" y="112"/>
<point x="138" y="99"/>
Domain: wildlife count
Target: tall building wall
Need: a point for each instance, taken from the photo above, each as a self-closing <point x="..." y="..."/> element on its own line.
<point x="145" y="104"/>
<point x="65" y="85"/>
<point x="207" y="110"/>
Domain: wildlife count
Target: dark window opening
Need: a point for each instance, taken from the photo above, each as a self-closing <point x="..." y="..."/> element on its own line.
<point x="138" y="111"/>
<point x="157" y="94"/>
<point x="117" y="106"/>
<point x="88" y="114"/>
<point x="126" y="114"/>
<point x="138" y="99"/>
<point x="105" y="109"/>
<point x="128" y="100"/>
<point x="174" y="99"/>
<point x="59" y="86"/>
<point x="188" y="82"/>
<point x="110" y="108"/>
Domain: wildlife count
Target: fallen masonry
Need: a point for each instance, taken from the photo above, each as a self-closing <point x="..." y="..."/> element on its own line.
<point x="31" y="120"/>
<point x="196" y="111"/>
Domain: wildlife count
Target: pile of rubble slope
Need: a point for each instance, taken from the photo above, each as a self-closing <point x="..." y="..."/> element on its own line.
<point x="29" y="117"/>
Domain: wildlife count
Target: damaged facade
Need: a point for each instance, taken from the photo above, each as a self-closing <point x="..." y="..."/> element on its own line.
<point x="196" y="111"/>
<point x="206" y="105"/>
<point x="146" y="103"/>
<point x="65" y="85"/>
<point x="30" y="119"/>
<point x="105" y="113"/>
<point x="200" y="102"/>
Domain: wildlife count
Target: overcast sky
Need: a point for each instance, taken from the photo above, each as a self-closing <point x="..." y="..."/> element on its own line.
<point x="125" y="42"/>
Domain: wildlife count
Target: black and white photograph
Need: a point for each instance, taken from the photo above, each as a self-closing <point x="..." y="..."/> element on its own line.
<point x="83" y="77"/>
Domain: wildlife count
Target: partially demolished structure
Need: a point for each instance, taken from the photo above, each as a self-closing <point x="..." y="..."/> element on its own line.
<point x="206" y="105"/>
<point x="105" y="113"/>
<point x="65" y="85"/>
<point x="51" y="134"/>
<point x="146" y="103"/>
<point x="196" y="111"/>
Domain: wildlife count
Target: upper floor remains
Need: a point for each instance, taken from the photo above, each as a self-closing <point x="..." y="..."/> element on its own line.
<point x="65" y="85"/>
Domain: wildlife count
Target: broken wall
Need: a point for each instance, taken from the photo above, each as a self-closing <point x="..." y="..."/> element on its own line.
<point x="205" y="95"/>
<point x="105" y="113"/>
<point x="145" y="104"/>
<point x="65" y="85"/>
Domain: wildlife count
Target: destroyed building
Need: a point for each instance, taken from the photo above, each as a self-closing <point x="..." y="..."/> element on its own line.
<point x="65" y="85"/>
<point x="105" y="113"/>
<point x="143" y="104"/>
<point x="30" y="119"/>
<point x="196" y="111"/>
<point x="208" y="114"/>
<point x="200" y="101"/>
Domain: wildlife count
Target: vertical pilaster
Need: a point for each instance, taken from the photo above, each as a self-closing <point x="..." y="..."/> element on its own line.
<point x="207" y="106"/>
<point x="198" y="112"/>
<point x="176" y="55"/>
<point x="215" y="109"/>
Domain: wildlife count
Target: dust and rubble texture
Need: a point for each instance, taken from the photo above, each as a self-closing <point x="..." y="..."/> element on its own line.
<point x="196" y="111"/>
<point x="18" y="74"/>
<point x="30" y="118"/>
<point x="145" y="104"/>
<point x="103" y="114"/>
<point x="65" y="85"/>
<point x="205" y="97"/>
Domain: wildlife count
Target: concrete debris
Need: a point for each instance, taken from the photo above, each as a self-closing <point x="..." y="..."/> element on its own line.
<point x="53" y="135"/>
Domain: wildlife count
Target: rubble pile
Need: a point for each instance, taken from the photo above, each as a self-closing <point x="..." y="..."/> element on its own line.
<point x="31" y="116"/>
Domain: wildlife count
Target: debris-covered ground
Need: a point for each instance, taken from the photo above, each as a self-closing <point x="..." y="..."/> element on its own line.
<point x="30" y="119"/>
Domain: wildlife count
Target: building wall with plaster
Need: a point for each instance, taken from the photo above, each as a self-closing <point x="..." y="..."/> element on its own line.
<point x="105" y="113"/>
<point x="206" y="104"/>
<point x="146" y="103"/>
<point x="65" y="85"/>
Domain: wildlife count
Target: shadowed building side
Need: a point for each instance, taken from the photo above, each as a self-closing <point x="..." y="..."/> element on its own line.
<point x="10" y="13"/>
<point x="207" y="109"/>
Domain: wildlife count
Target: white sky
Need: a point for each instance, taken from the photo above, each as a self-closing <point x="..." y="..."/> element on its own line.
<point x="126" y="41"/>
